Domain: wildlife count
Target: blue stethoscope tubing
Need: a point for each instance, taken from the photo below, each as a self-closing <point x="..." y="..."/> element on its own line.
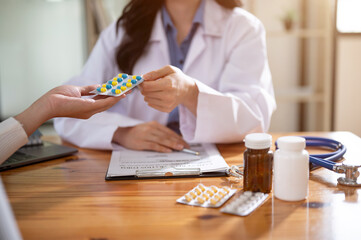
<point x="326" y="160"/>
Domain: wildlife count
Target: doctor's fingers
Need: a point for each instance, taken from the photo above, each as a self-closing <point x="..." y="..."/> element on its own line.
<point x="162" y="84"/>
<point x="171" y="134"/>
<point x="162" y="72"/>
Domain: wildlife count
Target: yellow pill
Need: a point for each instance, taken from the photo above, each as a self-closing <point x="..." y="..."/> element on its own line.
<point x="129" y="80"/>
<point x="115" y="79"/>
<point x="188" y="197"/>
<point x="217" y="197"/>
<point x="104" y="85"/>
<point x="129" y="84"/>
<point x="114" y="83"/>
<point x="200" y="200"/>
<point x="222" y="194"/>
<point x="193" y="195"/>
<point x="103" y="89"/>
<point x="214" y="201"/>
<point x="123" y="88"/>
<point x="134" y="77"/>
<point x="198" y="191"/>
<point x="205" y="196"/>
<point x="117" y="91"/>
<point x="226" y="189"/>
<point x="120" y="75"/>
<point x="214" y="189"/>
<point x="201" y="186"/>
<point x="210" y="193"/>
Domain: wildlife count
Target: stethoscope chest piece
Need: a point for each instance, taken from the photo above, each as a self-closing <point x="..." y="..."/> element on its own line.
<point x="351" y="174"/>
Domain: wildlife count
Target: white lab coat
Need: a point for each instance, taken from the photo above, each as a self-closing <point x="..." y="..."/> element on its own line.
<point x="228" y="60"/>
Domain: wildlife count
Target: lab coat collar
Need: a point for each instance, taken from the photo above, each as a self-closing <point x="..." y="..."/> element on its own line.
<point x="214" y="16"/>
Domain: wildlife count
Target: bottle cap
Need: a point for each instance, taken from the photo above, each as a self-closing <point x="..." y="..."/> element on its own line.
<point x="291" y="143"/>
<point x="258" y="141"/>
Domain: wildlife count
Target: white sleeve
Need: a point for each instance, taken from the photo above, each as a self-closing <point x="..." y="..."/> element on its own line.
<point x="244" y="100"/>
<point x="12" y="137"/>
<point x="97" y="131"/>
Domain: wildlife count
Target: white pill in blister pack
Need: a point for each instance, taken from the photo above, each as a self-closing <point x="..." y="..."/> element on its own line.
<point x="245" y="203"/>
<point x="203" y="196"/>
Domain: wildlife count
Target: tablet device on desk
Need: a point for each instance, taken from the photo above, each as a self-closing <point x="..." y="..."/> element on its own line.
<point x="36" y="151"/>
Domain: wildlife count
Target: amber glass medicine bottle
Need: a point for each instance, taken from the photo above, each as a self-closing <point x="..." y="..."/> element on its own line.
<point x="258" y="163"/>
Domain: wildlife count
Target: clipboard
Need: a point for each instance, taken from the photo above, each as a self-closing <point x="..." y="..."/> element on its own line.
<point x="168" y="172"/>
<point x="128" y="164"/>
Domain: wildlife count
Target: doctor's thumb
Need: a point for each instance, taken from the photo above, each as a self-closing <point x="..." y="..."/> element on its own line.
<point x="160" y="73"/>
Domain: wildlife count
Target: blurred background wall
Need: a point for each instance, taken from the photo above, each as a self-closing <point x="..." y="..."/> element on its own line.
<point x="314" y="58"/>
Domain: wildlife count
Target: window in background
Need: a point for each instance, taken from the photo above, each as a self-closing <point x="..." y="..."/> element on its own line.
<point x="348" y="16"/>
<point x="42" y="45"/>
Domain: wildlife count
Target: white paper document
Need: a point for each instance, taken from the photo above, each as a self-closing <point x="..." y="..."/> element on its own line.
<point x="127" y="162"/>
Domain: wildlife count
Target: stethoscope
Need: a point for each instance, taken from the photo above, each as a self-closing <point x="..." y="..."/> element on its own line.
<point x="326" y="160"/>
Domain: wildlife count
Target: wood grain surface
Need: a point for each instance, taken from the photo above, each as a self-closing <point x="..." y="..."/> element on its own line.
<point x="68" y="198"/>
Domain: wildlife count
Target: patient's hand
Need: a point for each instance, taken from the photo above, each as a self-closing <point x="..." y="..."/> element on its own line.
<point x="149" y="136"/>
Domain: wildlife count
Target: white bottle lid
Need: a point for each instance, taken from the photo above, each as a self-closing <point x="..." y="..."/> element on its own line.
<point x="291" y="143"/>
<point x="258" y="141"/>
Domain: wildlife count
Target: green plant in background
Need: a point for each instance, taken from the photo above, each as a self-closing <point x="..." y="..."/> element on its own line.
<point x="288" y="19"/>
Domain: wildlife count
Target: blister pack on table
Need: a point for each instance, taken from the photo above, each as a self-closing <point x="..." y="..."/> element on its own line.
<point x="203" y="196"/>
<point x="245" y="203"/>
<point x="119" y="85"/>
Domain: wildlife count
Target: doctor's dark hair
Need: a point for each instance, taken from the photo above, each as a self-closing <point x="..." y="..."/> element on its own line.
<point x="137" y="21"/>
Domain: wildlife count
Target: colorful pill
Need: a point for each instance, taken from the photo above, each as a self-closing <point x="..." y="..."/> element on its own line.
<point x="200" y="200"/>
<point x="201" y="186"/>
<point x="214" y="201"/>
<point x="109" y="86"/>
<point x="124" y="84"/>
<point x="114" y="83"/>
<point x="118" y="87"/>
<point x="124" y="75"/>
<point x="193" y="195"/>
<point x="214" y="189"/>
<point x="210" y="193"/>
<point x="226" y="189"/>
<point x="113" y="91"/>
<point x="99" y="89"/>
<point x="104" y="85"/>
<point x="123" y="88"/>
<point x="117" y="91"/>
<point x="205" y="196"/>
<point x="103" y="89"/>
<point x="138" y="78"/>
<point x="129" y="84"/>
<point x="134" y="77"/>
<point x="188" y="197"/>
<point x="110" y="82"/>
<point x="119" y="79"/>
<point x="134" y="81"/>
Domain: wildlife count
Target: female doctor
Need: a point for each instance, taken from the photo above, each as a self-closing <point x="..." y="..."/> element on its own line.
<point x="205" y="66"/>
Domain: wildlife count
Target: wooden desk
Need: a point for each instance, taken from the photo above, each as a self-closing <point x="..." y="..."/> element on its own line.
<point x="69" y="199"/>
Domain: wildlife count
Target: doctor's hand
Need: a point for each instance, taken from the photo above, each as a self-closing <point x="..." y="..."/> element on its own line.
<point x="149" y="136"/>
<point x="166" y="88"/>
<point x="64" y="101"/>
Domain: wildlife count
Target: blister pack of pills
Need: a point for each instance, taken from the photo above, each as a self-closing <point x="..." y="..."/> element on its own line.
<point x="203" y="196"/>
<point x="245" y="203"/>
<point x="119" y="85"/>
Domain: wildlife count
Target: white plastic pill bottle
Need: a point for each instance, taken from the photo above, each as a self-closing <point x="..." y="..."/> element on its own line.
<point x="291" y="169"/>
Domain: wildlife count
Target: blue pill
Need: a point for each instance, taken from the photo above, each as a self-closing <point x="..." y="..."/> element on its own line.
<point x="119" y="79"/>
<point x="113" y="91"/>
<point x="109" y="86"/>
<point x="138" y="78"/>
<point x="134" y="81"/>
<point x="99" y="89"/>
<point x="110" y="81"/>
<point x="118" y="87"/>
<point x="124" y="84"/>
<point x="124" y="75"/>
